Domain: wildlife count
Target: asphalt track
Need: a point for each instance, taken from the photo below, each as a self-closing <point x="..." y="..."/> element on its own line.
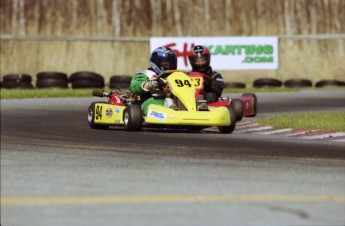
<point x="55" y="170"/>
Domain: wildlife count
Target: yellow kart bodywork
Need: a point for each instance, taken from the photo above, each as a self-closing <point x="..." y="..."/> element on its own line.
<point x="217" y="116"/>
<point x="108" y="114"/>
<point x="184" y="88"/>
<point x="188" y="113"/>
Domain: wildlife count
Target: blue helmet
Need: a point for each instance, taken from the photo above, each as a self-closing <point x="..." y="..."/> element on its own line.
<point x="163" y="58"/>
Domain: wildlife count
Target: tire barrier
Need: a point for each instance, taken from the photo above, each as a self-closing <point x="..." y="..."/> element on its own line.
<point x="122" y="81"/>
<point x="292" y="83"/>
<point x="86" y="79"/>
<point x="267" y="82"/>
<point x="238" y="85"/>
<point x="17" y="81"/>
<point x="323" y="83"/>
<point x="51" y="80"/>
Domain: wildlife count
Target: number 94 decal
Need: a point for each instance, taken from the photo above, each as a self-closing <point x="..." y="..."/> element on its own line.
<point x="197" y="82"/>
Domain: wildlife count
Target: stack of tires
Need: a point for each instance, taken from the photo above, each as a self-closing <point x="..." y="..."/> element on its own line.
<point x="298" y="83"/>
<point x="17" y="81"/>
<point x="295" y="83"/>
<point x="324" y="83"/>
<point x="120" y="81"/>
<point x="267" y="82"/>
<point x="86" y="79"/>
<point x="51" y="80"/>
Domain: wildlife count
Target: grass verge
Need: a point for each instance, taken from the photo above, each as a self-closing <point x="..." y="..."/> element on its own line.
<point x="321" y="120"/>
<point x="44" y="93"/>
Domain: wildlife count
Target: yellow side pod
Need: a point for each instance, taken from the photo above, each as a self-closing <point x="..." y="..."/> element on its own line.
<point x="109" y="114"/>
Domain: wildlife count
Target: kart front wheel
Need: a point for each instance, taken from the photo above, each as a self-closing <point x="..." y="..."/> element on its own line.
<point x="132" y="117"/>
<point x="91" y="118"/>
<point x="231" y="127"/>
<point x="238" y="108"/>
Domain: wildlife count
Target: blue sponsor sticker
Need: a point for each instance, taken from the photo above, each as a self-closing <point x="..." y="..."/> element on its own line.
<point x="157" y="115"/>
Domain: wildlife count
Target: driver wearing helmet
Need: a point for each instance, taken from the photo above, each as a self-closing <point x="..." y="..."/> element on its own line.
<point x="200" y="59"/>
<point x="162" y="58"/>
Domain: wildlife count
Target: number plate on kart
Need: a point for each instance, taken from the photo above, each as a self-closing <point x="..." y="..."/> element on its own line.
<point x="197" y="82"/>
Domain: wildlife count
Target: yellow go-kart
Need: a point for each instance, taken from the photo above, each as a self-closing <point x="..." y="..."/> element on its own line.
<point x="181" y="109"/>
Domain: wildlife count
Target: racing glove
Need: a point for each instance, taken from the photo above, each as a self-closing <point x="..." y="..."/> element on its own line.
<point x="150" y="85"/>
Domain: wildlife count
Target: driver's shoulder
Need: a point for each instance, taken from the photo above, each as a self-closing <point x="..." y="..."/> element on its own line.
<point x="216" y="74"/>
<point x="148" y="73"/>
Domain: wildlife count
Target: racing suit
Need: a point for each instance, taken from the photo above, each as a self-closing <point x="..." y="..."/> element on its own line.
<point x="137" y="87"/>
<point x="216" y="85"/>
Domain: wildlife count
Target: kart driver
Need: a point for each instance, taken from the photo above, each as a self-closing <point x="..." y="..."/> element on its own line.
<point x="200" y="59"/>
<point x="162" y="58"/>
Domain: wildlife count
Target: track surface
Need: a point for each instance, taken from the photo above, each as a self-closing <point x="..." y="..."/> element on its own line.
<point x="55" y="170"/>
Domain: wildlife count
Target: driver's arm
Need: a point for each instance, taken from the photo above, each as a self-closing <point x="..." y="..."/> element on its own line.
<point x="138" y="84"/>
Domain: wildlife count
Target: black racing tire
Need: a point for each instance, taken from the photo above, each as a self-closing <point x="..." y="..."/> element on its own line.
<point x="51" y="80"/>
<point x="238" y="85"/>
<point x="324" y="83"/>
<point x="51" y="83"/>
<point x="267" y="82"/>
<point x="256" y="103"/>
<point x="132" y="117"/>
<point x="238" y="108"/>
<point x="86" y="79"/>
<point x="51" y="75"/>
<point x="10" y="84"/>
<point x="91" y="117"/>
<point x="20" y="81"/>
<point x="298" y="83"/>
<point x="17" y="78"/>
<point x="86" y="84"/>
<point x="15" y="85"/>
<point x="231" y="127"/>
<point x="121" y="81"/>
<point x="87" y="75"/>
<point x="210" y="97"/>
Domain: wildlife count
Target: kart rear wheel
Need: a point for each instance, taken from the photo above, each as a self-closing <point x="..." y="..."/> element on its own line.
<point x="231" y="127"/>
<point x="132" y="117"/>
<point x="91" y="117"/>
<point x="238" y="108"/>
<point x="255" y="103"/>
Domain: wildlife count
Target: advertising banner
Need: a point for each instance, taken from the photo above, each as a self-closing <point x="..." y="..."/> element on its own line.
<point x="227" y="53"/>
